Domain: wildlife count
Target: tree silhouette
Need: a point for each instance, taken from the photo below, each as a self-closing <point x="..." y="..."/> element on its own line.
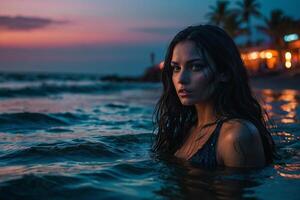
<point x="232" y="25"/>
<point x="246" y="9"/>
<point x="219" y="13"/>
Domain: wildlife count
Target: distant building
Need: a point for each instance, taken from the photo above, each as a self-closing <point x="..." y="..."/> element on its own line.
<point x="266" y="58"/>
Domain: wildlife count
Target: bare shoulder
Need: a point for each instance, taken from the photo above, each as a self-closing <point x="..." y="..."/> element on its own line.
<point x="238" y="129"/>
<point x="240" y="144"/>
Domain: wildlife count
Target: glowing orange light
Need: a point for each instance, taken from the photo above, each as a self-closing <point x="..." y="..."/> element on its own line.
<point x="288" y="64"/>
<point x="253" y="55"/>
<point x="268" y="55"/>
<point x="161" y="65"/>
<point x="262" y="55"/>
<point x="288" y="55"/>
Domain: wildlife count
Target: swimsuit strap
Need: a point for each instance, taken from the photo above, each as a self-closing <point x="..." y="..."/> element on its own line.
<point x="219" y="123"/>
<point x="217" y="130"/>
<point x="206" y="156"/>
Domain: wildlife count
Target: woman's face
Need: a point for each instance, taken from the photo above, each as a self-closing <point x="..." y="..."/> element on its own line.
<point x="192" y="73"/>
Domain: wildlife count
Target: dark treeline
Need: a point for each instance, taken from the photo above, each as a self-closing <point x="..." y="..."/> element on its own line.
<point x="237" y="19"/>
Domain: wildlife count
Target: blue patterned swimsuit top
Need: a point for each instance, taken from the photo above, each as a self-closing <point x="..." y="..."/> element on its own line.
<point x="206" y="156"/>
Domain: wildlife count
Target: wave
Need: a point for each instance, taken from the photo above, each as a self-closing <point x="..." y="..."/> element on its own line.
<point x="82" y="182"/>
<point x="49" y="89"/>
<point x="75" y="151"/>
<point x="46" y="89"/>
<point x="30" y="76"/>
<point x="103" y="148"/>
<point x="51" y="187"/>
<point x="14" y="122"/>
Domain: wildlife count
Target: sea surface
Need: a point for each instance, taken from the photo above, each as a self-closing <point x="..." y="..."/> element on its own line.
<point x="76" y="137"/>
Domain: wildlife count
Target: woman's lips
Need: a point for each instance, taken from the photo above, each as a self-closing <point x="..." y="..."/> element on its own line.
<point x="184" y="93"/>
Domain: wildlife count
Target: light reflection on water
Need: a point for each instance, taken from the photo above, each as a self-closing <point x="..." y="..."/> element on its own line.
<point x="283" y="108"/>
<point x="281" y="105"/>
<point x="290" y="171"/>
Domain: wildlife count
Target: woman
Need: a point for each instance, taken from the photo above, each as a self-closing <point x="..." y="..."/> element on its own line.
<point x="207" y="113"/>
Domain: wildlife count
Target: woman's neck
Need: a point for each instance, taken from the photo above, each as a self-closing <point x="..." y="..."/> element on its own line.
<point x="205" y="114"/>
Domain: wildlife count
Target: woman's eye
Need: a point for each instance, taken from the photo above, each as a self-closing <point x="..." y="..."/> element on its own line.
<point x="176" y="68"/>
<point x="196" y="67"/>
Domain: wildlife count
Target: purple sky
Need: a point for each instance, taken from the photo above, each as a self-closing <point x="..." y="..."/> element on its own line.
<point x="98" y="36"/>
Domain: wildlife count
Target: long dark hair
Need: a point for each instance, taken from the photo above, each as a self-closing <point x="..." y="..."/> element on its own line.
<point x="232" y="98"/>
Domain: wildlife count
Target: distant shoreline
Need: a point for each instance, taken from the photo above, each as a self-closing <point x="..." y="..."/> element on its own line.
<point x="274" y="81"/>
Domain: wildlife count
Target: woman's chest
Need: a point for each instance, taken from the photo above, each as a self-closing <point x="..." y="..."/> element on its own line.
<point x="193" y="143"/>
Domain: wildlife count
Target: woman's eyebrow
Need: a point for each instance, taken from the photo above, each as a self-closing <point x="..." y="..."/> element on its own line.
<point x="189" y="61"/>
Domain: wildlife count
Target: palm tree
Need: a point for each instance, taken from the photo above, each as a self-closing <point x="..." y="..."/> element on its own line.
<point x="246" y="9"/>
<point x="228" y="19"/>
<point x="273" y="26"/>
<point x="232" y="25"/>
<point x="276" y="27"/>
<point x="218" y="13"/>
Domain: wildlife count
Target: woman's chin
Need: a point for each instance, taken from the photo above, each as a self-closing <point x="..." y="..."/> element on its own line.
<point x="186" y="102"/>
<point x="191" y="101"/>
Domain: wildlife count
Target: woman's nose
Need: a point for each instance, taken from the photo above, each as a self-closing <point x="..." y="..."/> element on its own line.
<point x="183" y="77"/>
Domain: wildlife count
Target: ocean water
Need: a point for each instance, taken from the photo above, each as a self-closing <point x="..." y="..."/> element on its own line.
<point x="76" y="137"/>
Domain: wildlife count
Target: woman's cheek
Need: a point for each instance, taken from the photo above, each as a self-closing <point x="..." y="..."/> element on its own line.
<point x="202" y="86"/>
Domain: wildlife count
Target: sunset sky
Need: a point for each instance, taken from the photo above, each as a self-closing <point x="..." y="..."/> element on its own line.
<point x="98" y="36"/>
